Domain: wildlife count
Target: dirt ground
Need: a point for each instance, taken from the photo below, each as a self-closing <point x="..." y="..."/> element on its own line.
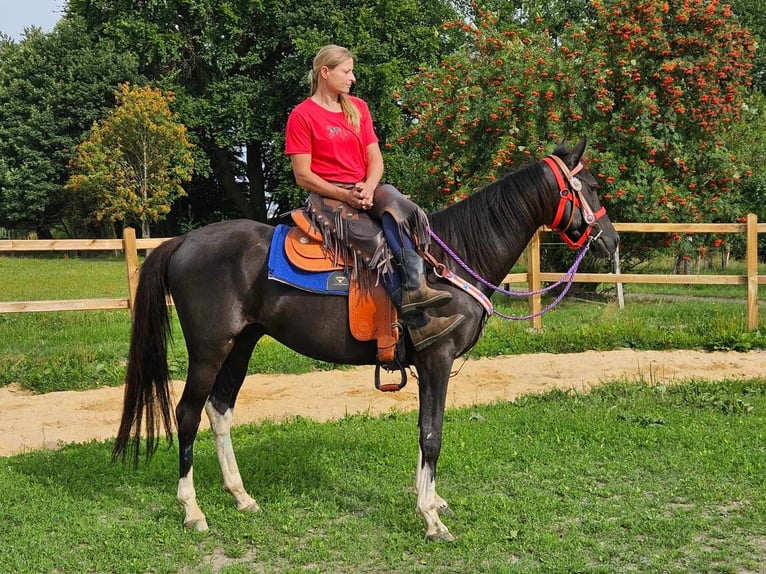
<point x="31" y="422"/>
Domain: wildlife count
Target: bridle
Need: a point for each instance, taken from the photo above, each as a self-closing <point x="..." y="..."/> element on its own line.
<point x="569" y="199"/>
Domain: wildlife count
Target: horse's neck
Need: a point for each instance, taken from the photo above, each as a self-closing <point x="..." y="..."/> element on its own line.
<point x="500" y="268"/>
<point x="489" y="243"/>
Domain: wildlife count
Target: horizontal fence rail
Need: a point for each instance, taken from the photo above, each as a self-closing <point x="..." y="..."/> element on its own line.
<point x="751" y="228"/>
<point x="533" y="277"/>
<point x="129" y="245"/>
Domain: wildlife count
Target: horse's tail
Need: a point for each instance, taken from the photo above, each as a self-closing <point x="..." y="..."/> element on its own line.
<point x="147" y="392"/>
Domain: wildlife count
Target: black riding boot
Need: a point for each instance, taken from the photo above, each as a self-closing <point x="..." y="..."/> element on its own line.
<point x="416" y="294"/>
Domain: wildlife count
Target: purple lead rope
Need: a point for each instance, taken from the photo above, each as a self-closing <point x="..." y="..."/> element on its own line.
<point x="567" y="277"/>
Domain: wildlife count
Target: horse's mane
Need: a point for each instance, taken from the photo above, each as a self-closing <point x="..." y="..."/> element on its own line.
<point x="496" y="220"/>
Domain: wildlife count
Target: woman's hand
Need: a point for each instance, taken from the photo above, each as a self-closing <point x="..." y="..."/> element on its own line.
<point x="363" y="194"/>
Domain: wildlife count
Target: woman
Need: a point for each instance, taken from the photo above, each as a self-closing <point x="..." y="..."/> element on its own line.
<point x="336" y="157"/>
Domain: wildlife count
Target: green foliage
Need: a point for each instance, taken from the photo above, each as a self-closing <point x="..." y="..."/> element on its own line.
<point x="239" y="67"/>
<point x="752" y="15"/>
<point x="52" y="87"/>
<point x="575" y="326"/>
<point x="670" y="80"/>
<point x="481" y="112"/>
<point x="133" y="164"/>
<point x="654" y="86"/>
<point x="745" y="139"/>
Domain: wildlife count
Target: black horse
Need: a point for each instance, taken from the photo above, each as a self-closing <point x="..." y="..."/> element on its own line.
<point x="218" y="279"/>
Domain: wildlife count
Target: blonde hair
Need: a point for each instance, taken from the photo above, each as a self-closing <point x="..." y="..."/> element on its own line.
<point x="332" y="56"/>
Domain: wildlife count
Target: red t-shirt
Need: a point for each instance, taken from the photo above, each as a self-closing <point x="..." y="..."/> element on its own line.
<point x="338" y="151"/>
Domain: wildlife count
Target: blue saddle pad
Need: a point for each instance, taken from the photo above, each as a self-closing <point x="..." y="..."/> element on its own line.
<point x="280" y="269"/>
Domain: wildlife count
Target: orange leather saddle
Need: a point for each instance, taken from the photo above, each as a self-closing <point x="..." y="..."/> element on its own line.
<point x="371" y="314"/>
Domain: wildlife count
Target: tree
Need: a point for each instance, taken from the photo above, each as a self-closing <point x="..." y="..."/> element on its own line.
<point x="132" y="165"/>
<point x="52" y="87"/>
<point x="654" y="88"/>
<point x="238" y="67"/>
<point x="747" y="140"/>
<point x="670" y="82"/>
<point x="752" y="16"/>
<point x="491" y="106"/>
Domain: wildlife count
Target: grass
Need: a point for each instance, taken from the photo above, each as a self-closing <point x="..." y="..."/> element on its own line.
<point x="47" y="352"/>
<point x="626" y="478"/>
<point x="630" y="477"/>
<point x="62" y="276"/>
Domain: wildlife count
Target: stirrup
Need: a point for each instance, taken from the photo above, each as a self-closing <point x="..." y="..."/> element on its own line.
<point x="391" y="387"/>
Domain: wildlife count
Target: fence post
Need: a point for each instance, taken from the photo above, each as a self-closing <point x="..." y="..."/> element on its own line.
<point x="619" y="286"/>
<point x="131" y="263"/>
<point x="752" y="271"/>
<point x="533" y="280"/>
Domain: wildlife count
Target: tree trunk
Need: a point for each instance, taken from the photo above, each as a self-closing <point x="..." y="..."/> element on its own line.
<point x="257" y="181"/>
<point x="223" y="161"/>
<point x="43" y="231"/>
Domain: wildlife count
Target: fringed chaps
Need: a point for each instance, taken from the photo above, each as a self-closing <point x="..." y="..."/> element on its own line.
<point x="356" y="237"/>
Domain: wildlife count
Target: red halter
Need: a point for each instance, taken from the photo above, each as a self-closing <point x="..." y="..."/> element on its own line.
<point x="573" y="198"/>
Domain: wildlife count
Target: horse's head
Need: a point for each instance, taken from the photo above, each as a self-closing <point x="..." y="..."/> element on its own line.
<point x="579" y="215"/>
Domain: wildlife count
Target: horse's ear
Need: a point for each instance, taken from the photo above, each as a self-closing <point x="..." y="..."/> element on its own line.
<point x="571" y="157"/>
<point x="577" y="153"/>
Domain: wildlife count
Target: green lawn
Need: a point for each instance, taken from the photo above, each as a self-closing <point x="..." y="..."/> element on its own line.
<point x="627" y="478"/>
<point x="630" y="477"/>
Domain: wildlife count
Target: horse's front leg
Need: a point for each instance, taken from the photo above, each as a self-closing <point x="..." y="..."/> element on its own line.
<point x="433" y="395"/>
<point x="442" y="506"/>
<point x="220" y="423"/>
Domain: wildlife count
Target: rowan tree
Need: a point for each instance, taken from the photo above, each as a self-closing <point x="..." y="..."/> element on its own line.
<point x="492" y="106"/>
<point x="653" y="86"/>
<point x="670" y="79"/>
<point x="133" y="163"/>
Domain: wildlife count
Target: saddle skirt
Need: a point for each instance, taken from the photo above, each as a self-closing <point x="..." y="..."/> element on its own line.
<point x="372" y="316"/>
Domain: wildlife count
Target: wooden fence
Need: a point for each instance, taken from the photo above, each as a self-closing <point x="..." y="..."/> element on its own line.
<point x="129" y="245"/>
<point x="533" y="278"/>
<point x="750" y="228"/>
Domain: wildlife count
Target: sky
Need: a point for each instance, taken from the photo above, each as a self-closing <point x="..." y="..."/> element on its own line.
<point x="15" y="15"/>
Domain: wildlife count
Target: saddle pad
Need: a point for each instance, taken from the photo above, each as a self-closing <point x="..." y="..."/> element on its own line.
<point x="371" y="314"/>
<point x="334" y="282"/>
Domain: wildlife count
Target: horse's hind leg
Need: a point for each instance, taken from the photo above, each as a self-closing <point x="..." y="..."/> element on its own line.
<point x="220" y="411"/>
<point x="232" y="480"/>
<point x="199" y="382"/>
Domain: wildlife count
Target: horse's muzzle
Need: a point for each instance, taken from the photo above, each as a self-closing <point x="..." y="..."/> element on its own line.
<point x="604" y="244"/>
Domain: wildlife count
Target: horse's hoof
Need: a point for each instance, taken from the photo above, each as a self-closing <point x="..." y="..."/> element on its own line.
<point x="441" y="536"/>
<point x="252" y="507"/>
<point x="198" y="524"/>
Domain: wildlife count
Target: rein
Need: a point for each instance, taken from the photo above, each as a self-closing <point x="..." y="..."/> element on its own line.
<point x="441" y="271"/>
<point x="569" y="198"/>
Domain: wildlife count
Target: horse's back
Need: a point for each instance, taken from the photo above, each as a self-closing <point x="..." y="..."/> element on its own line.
<point x="211" y="249"/>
